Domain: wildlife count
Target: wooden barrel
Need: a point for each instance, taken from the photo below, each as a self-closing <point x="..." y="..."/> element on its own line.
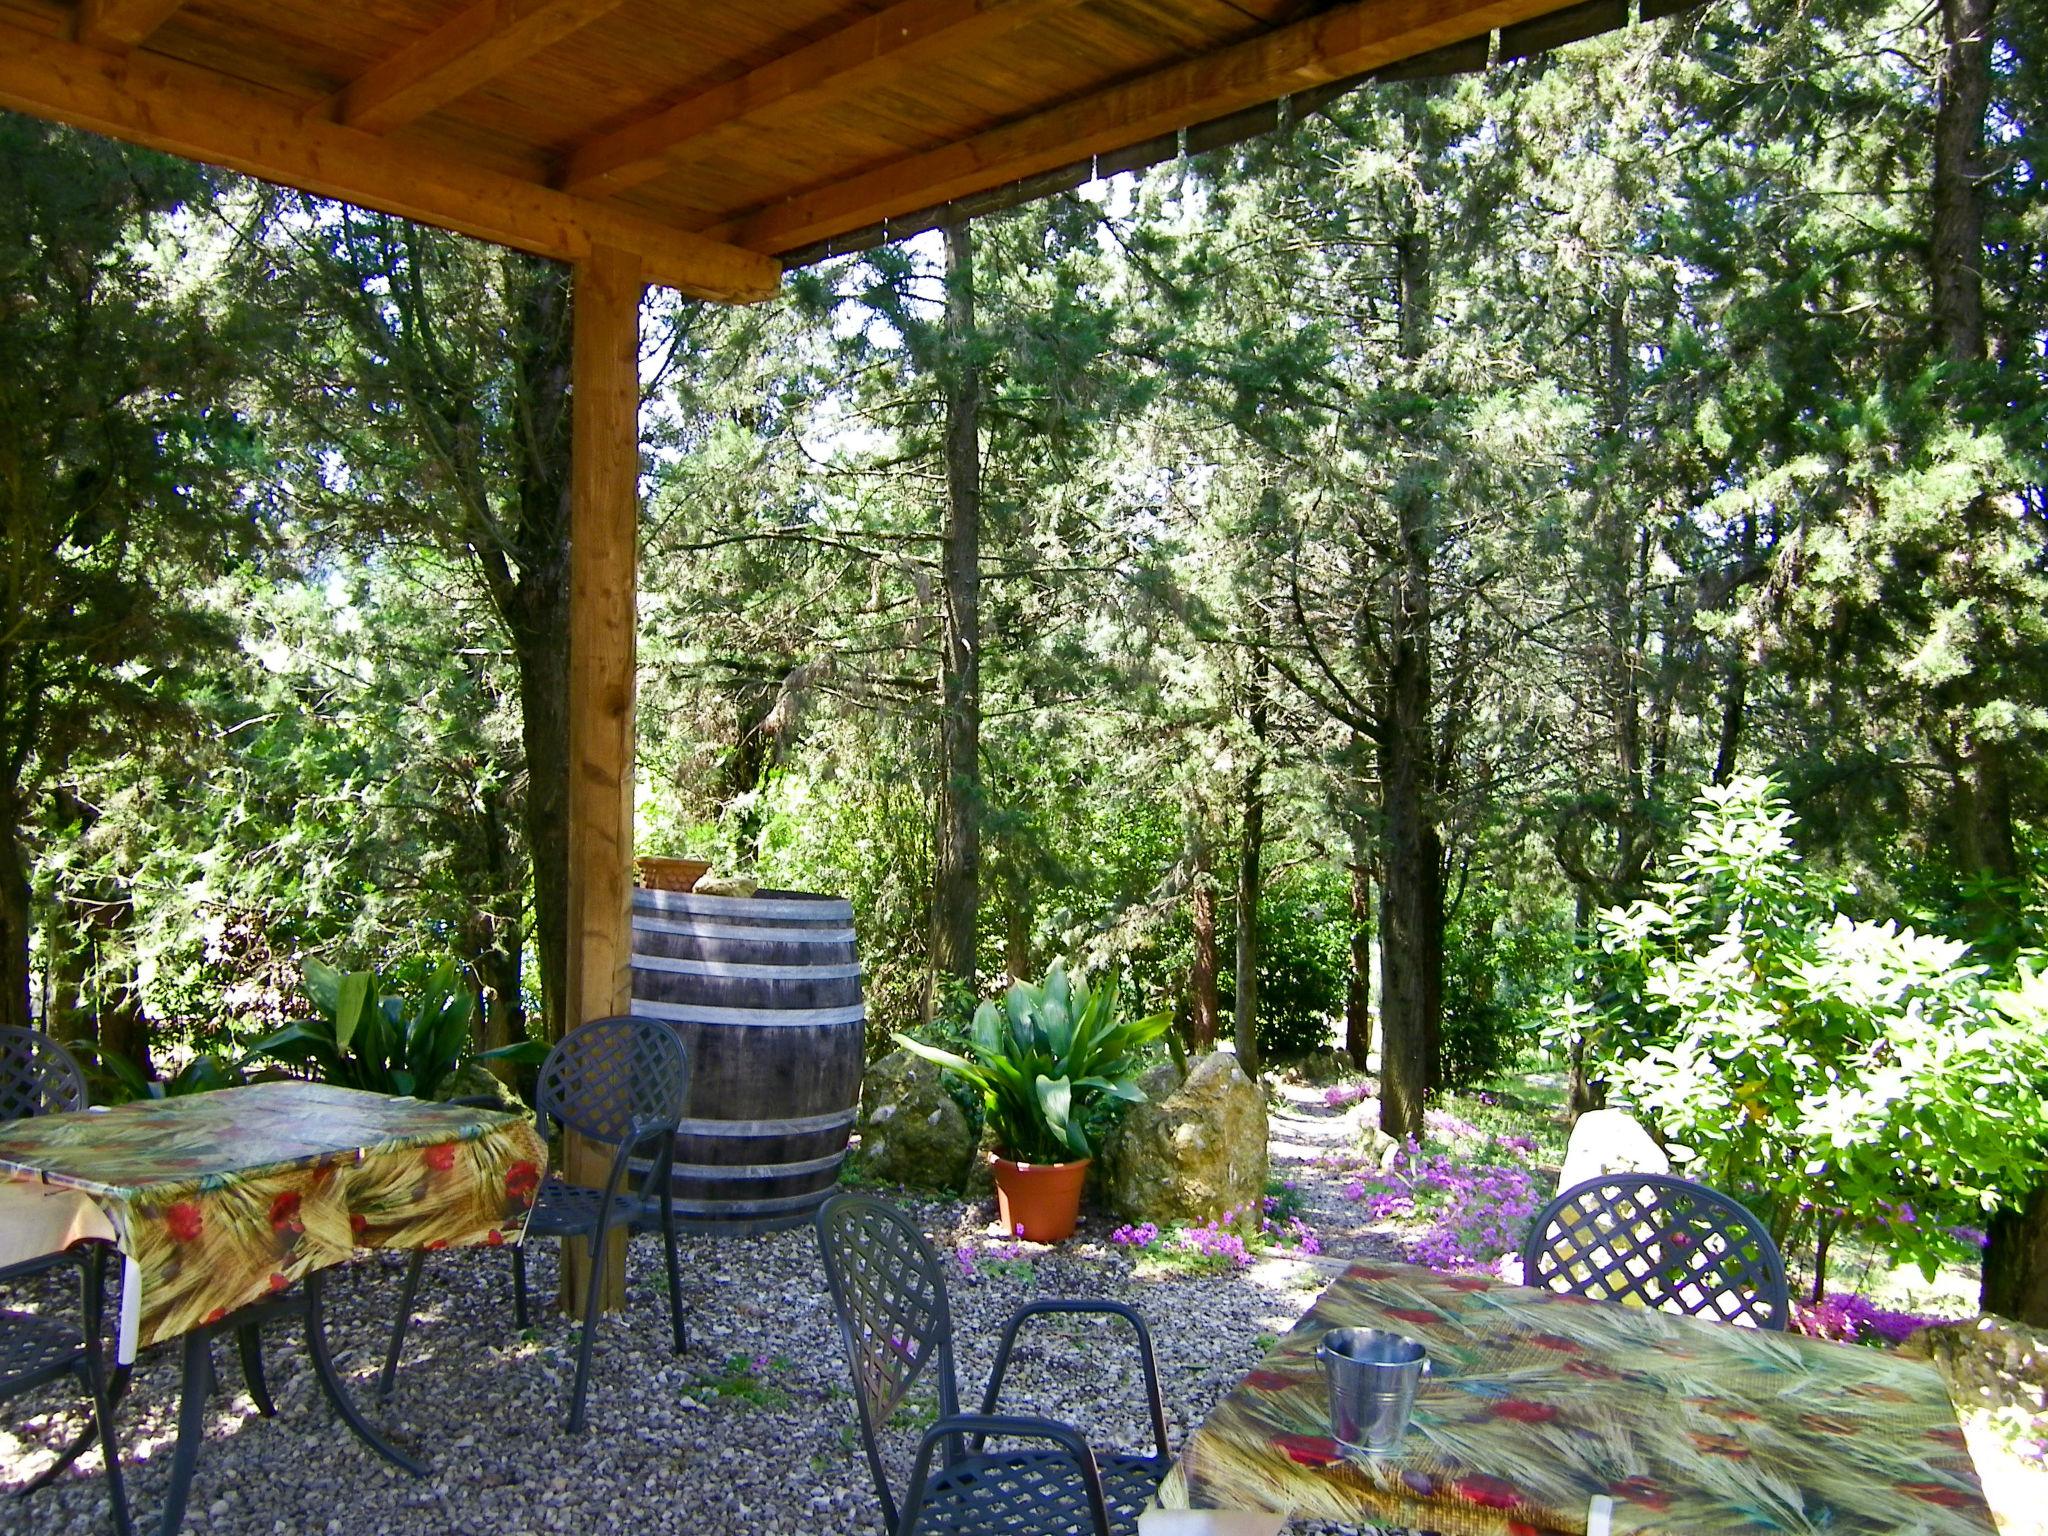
<point x="764" y="992"/>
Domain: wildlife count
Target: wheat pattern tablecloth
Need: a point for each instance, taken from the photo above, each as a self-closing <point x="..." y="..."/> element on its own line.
<point x="218" y="1199"/>
<point x="1541" y="1404"/>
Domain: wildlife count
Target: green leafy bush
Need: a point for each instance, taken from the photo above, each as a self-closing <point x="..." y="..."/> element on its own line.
<point x="1045" y="1059"/>
<point x="368" y="1035"/>
<point x="1499" y="976"/>
<point x="1815" y="1064"/>
<point x="1304" y="960"/>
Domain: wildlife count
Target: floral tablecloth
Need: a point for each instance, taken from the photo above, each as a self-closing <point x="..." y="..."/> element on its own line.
<point x="219" y="1198"/>
<point x="1547" y="1413"/>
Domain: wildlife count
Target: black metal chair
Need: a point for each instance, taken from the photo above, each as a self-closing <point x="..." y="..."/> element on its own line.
<point x="1665" y="1242"/>
<point x="621" y="1082"/>
<point x="894" y="1321"/>
<point x="37" y="1349"/>
<point x="39" y="1077"/>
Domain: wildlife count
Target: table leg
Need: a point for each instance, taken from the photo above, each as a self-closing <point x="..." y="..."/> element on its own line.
<point x="191" y="1428"/>
<point x="249" y="1342"/>
<point x="337" y="1391"/>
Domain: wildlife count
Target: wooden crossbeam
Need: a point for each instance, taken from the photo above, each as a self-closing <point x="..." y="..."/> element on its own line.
<point x="121" y="23"/>
<point x="202" y="116"/>
<point x="471" y="47"/>
<point x="887" y="44"/>
<point x="1349" y="40"/>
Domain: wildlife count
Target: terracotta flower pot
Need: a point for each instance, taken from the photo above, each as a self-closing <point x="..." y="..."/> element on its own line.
<point x="1039" y="1202"/>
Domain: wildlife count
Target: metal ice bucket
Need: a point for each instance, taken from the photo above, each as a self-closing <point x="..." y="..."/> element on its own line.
<point x="1373" y="1377"/>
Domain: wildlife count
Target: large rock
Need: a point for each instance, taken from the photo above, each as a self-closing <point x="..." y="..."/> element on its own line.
<point x="1193" y="1150"/>
<point x="912" y="1131"/>
<point x="1609" y="1141"/>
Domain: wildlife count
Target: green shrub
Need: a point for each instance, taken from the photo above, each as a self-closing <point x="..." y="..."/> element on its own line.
<point x="1813" y="1063"/>
<point x="1499" y="977"/>
<point x="1304" y="959"/>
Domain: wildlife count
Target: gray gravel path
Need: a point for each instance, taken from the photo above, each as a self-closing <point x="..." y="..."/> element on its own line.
<point x="749" y="1434"/>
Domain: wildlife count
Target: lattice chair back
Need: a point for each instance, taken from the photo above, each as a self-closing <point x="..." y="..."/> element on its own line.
<point x="37" y="1076"/>
<point x="614" y="1080"/>
<point x="1662" y="1242"/>
<point x="890" y="1295"/>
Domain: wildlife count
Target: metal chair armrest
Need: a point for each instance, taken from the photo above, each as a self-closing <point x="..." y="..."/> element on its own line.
<point x="1154" y="1401"/>
<point x="978" y="1427"/>
<point x="46" y="1263"/>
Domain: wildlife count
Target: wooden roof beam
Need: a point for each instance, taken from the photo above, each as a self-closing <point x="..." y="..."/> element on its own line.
<point x="203" y="116"/>
<point x="890" y="42"/>
<point x="469" y="48"/>
<point x="1349" y="40"/>
<point x="121" y="24"/>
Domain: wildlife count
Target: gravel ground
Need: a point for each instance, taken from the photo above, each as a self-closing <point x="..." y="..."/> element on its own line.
<point x="751" y="1433"/>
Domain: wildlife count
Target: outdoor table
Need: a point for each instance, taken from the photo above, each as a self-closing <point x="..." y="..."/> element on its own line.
<point x="221" y="1202"/>
<point x="1551" y="1413"/>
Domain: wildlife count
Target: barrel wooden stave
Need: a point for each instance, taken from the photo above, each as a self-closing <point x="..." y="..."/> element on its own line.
<point x="765" y="994"/>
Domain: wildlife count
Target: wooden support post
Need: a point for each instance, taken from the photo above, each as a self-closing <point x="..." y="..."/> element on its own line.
<point x="604" y="547"/>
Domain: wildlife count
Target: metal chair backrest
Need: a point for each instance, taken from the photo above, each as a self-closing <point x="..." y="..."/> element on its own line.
<point x="614" y="1080"/>
<point x="894" y="1321"/>
<point x="1665" y="1242"/>
<point x="37" y="1076"/>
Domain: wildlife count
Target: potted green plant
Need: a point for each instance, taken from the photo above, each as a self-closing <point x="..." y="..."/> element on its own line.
<point x="1043" y="1059"/>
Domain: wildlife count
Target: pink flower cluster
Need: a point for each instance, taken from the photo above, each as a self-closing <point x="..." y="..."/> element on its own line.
<point x="1849" y="1318"/>
<point x="1216" y="1241"/>
<point x="1345" y="1094"/>
<point x="1478" y="1211"/>
<point x="1224" y="1240"/>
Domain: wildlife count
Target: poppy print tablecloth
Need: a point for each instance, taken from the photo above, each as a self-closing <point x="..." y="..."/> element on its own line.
<point x="219" y="1198"/>
<point x="1539" y="1405"/>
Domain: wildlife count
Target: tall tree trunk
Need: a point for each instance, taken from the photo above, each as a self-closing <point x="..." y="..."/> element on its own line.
<point x="534" y="606"/>
<point x="68" y="958"/>
<point x="1956" y="243"/>
<point x="1411" y="850"/>
<point x="2015" y="1280"/>
<point x="1203" y="994"/>
<point x="956" y="876"/>
<point x="1358" y="989"/>
<point x="498" y="943"/>
<point x="1250" y="847"/>
<point x="2016" y="1262"/>
<point x="1017" y="935"/>
<point x="1585" y="1094"/>
<point x="14" y="914"/>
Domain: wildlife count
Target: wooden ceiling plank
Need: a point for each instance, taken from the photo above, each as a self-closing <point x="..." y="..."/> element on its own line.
<point x="1348" y="40"/>
<point x="473" y="46"/>
<point x="203" y="116"/>
<point x="890" y="42"/>
<point x="121" y="24"/>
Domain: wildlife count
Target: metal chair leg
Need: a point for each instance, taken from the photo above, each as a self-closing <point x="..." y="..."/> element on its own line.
<point x="388" y="1376"/>
<point x="249" y="1344"/>
<point x="675" y="1288"/>
<point x="117" y="1388"/>
<point x="337" y="1390"/>
<point x="595" y="1295"/>
<point x="103" y="1423"/>
<point x="519" y="1286"/>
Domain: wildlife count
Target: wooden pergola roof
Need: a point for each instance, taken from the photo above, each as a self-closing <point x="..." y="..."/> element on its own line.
<point x="714" y="139"/>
